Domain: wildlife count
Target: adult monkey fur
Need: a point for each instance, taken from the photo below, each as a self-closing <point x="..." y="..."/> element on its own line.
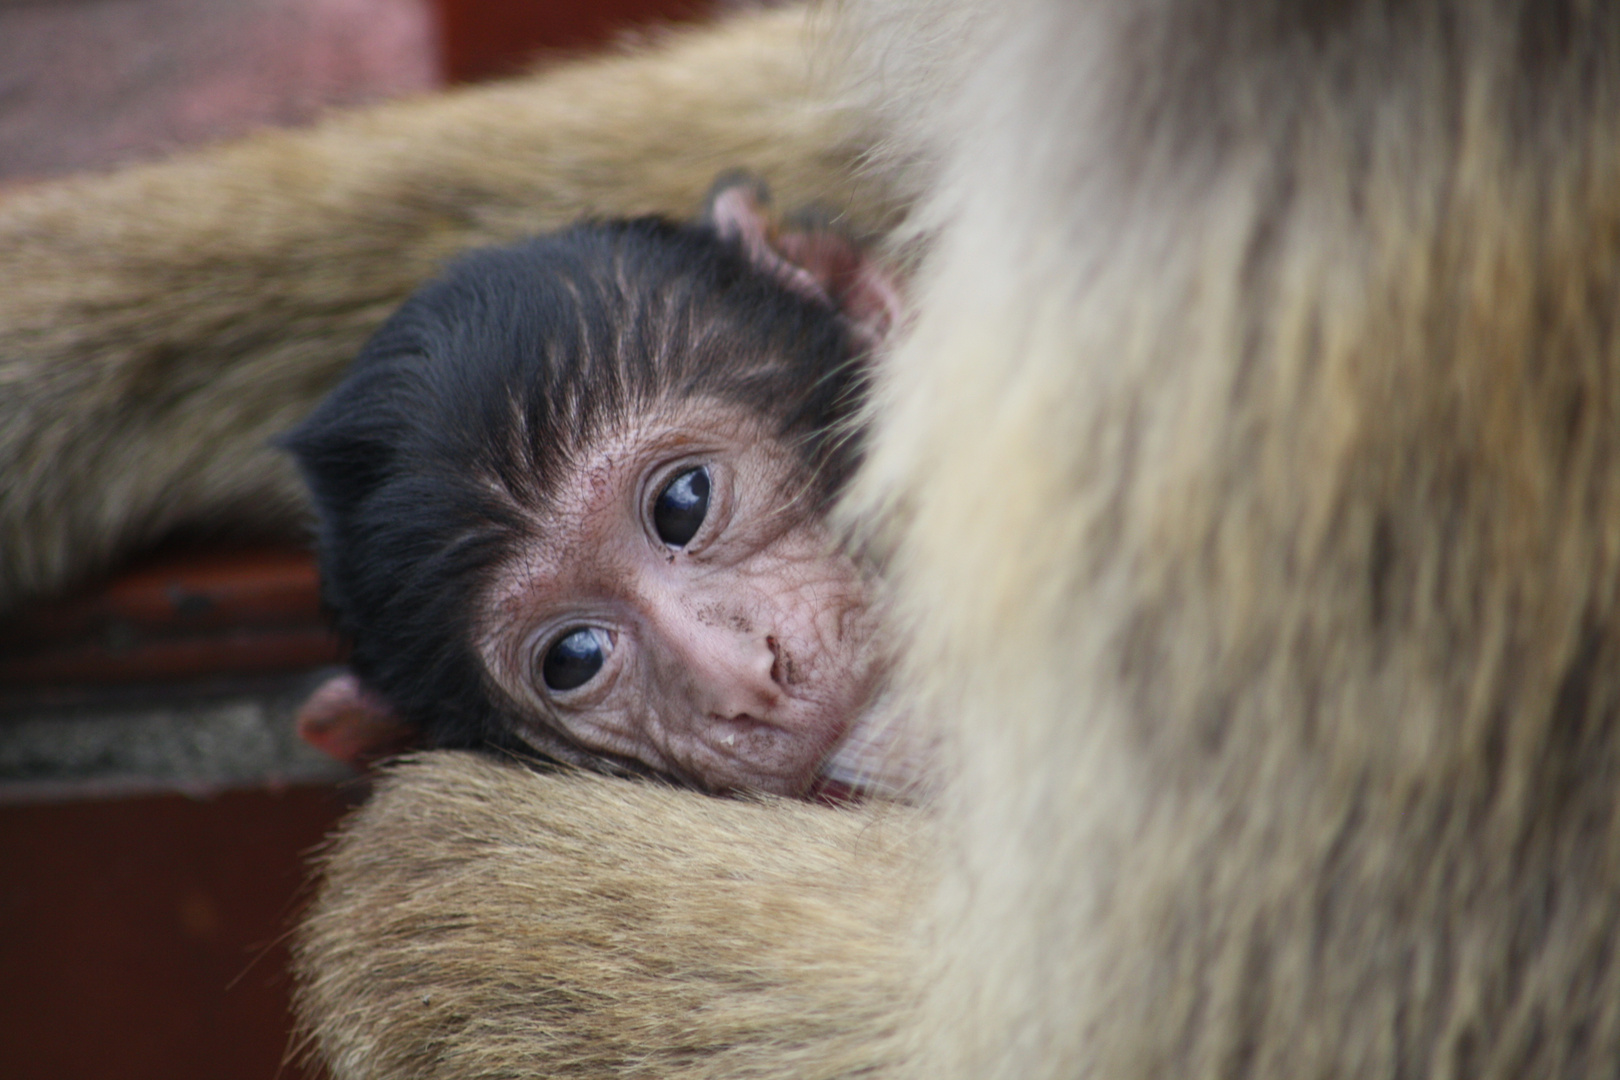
<point x="1249" y="489"/>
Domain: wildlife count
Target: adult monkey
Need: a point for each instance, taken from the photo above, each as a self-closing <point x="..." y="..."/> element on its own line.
<point x="1250" y="484"/>
<point x="1278" y="678"/>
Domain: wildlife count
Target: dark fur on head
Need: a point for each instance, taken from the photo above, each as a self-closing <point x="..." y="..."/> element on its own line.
<point x="447" y="439"/>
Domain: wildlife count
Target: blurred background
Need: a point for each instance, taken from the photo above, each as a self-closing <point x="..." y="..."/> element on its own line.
<point x="157" y="812"/>
<point x="89" y="83"/>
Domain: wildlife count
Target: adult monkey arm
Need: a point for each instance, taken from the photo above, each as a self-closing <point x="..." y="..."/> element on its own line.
<point x="685" y="980"/>
<point x="160" y="324"/>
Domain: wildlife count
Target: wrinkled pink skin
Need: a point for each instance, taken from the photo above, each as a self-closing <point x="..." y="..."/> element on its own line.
<point x="740" y="661"/>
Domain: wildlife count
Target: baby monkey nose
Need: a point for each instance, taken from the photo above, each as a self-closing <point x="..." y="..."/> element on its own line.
<point x="781" y="662"/>
<point x="747" y="679"/>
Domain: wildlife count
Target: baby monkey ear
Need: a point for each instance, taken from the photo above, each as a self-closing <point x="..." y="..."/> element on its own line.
<point x="349" y="722"/>
<point x="808" y="256"/>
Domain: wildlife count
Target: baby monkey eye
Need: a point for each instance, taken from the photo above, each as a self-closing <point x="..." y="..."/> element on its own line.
<point x="576" y="658"/>
<point x="681" y="507"/>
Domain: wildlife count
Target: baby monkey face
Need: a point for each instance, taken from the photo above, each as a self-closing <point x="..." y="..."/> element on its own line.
<point x="684" y="607"/>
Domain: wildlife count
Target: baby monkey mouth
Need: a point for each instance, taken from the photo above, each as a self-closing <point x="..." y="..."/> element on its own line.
<point x="741" y="724"/>
<point x="730" y="737"/>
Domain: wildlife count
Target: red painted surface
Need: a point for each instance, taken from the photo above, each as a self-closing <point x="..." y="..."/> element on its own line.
<point x="144" y="938"/>
<point x="174" y="616"/>
<point x="483" y="39"/>
<point x="90" y="85"/>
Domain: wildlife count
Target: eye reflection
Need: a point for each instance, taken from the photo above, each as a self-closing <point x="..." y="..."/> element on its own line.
<point x="575" y="658"/>
<point x="681" y="507"/>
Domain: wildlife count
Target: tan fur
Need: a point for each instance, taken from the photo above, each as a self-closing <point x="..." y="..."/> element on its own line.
<point x="1250" y="487"/>
<point x="159" y="325"/>
<point x="1271" y="604"/>
<point x="517" y="934"/>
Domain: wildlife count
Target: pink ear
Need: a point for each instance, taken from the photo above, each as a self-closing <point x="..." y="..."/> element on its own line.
<point x="818" y="263"/>
<point x="349" y="722"/>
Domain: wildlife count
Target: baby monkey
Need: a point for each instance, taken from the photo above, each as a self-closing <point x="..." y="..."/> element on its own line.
<point x="572" y="499"/>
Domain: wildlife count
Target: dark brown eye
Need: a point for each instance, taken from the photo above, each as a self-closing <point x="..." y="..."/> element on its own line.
<point x="682" y="506"/>
<point x="576" y="658"/>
